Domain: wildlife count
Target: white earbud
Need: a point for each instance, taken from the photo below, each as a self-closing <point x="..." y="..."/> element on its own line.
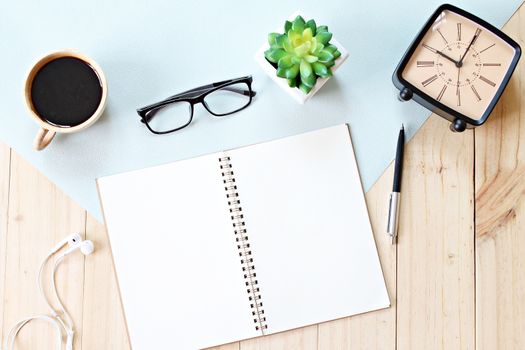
<point x="70" y="240"/>
<point x="86" y="247"/>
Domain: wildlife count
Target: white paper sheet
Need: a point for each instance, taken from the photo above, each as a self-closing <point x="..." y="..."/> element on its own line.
<point x="177" y="264"/>
<point x="307" y="221"/>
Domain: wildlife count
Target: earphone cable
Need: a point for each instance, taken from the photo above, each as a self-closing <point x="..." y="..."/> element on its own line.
<point x="68" y="324"/>
<point x="10" y="341"/>
<point x="40" y="284"/>
<point x="62" y="326"/>
<point x="60" y="319"/>
<point x="66" y="314"/>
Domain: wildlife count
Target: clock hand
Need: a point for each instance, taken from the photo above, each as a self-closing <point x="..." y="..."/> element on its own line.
<point x="474" y="38"/>
<point x="457" y="87"/>
<point x="441" y="53"/>
<point x="448" y="58"/>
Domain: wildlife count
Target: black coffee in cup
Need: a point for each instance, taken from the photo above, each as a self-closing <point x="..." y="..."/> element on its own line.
<point x="66" y="92"/>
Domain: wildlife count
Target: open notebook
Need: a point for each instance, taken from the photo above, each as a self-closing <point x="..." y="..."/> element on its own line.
<point x="242" y="243"/>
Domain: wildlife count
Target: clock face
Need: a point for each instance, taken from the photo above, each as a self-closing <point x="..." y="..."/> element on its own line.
<point x="460" y="64"/>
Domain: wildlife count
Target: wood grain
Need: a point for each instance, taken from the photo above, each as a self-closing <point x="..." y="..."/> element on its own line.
<point x="39" y="216"/>
<point x="500" y="215"/>
<point x="5" y="158"/>
<point x="435" y="269"/>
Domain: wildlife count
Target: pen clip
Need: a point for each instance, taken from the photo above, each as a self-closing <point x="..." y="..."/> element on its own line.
<point x="389" y="215"/>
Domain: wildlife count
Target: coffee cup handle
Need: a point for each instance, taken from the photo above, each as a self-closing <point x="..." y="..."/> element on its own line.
<point x="43" y="138"/>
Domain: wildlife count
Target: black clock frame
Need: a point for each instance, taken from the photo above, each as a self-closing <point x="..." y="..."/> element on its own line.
<point x="409" y="91"/>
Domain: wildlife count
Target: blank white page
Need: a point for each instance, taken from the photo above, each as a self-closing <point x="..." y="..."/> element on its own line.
<point x="309" y="230"/>
<point x="175" y="254"/>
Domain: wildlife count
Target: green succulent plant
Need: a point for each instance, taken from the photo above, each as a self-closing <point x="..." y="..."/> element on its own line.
<point x="303" y="53"/>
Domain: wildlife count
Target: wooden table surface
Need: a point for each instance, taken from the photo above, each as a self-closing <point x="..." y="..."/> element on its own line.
<point x="456" y="279"/>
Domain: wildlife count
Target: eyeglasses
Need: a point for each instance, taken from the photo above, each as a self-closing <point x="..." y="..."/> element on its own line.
<point x="176" y="112"/>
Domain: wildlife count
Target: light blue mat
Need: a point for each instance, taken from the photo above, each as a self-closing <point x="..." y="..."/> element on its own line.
<point x="152" y="49"/>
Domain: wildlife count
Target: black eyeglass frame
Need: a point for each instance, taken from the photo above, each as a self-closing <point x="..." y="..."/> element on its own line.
<point x="196" y="96"/>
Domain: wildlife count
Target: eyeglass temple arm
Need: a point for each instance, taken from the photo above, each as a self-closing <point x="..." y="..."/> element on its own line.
<point x="214" y="85"/>
<point x="210" y="87"/>
<point x="154" y="111"/>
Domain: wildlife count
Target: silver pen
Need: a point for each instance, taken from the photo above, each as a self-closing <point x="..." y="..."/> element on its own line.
<point x="395" y="196"/>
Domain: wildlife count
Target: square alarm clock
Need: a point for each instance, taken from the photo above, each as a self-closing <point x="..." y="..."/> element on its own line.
<point x="457" y="66"/>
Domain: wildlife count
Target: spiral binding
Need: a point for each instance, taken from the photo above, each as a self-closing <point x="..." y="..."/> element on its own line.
<point x="243" y="244"/>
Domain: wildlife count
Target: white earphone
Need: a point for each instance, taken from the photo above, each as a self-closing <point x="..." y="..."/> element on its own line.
<point x="60" y="319"/>
<point x="70" y="240"/>
<point x="86" y="247"/>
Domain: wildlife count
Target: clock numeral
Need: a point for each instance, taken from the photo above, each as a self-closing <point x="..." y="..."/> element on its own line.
<point x="491" y="83"/>
<point x="442" y="36"/>
<point x="425" y="63"/>
<point x="485" y="49"/>
<point x="459" y="31"/>
<point x="429" y="48"/>
<point x="429" y="80"/>
<point x="475" y="92"/>
<point x="443" y="89"/>
<point x="491" y="64"/>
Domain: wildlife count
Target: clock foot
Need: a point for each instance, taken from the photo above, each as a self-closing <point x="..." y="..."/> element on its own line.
<point x="458" y="125"/>
<point x="405" y="94"/>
